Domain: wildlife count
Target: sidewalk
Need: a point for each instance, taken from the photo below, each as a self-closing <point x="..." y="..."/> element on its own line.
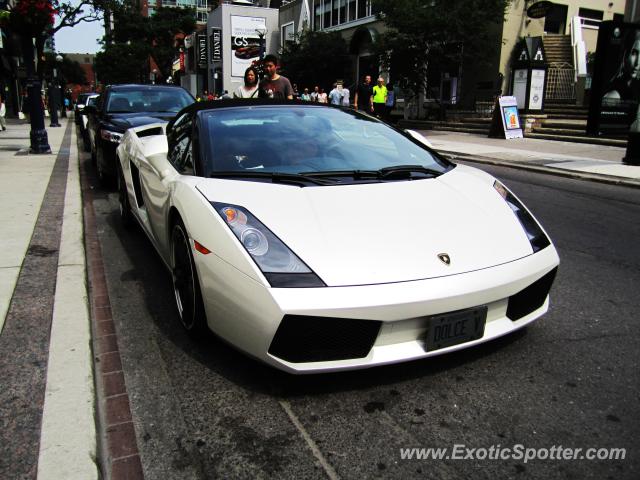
<point x="579" y="160"/>
<point x="47" y="396"/>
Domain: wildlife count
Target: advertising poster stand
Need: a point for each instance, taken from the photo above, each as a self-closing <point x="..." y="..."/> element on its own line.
<point x="506" y="121"/>
<point x="529" y="74"/>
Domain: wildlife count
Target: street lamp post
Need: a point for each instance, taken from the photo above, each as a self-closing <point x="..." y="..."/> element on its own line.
<point x="63" y="107"/>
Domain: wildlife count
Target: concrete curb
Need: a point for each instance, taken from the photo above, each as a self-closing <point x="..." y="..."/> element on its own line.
<point x="118" y="448"/>
<point x="68" y="436"/>
<point x="592" y="177"/>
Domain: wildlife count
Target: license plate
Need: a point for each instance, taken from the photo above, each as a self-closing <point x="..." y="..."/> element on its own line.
<point x="455" y="328"/>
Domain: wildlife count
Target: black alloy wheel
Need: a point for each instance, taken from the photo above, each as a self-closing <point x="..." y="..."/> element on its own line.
<point x="186" y="285"/>
<point x="103" y="177"/>
<point x="126" y="217"/>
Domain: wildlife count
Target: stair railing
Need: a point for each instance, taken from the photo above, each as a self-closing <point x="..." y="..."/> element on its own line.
<point x="578" y="48"/>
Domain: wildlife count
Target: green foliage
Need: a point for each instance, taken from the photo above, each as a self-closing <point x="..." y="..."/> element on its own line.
<point x="69" y="70"/>
<point x="121" y="63"/>
<point x="424" y="34"/>
<point x="319" y="58"/>
<point x="136" y="38"/>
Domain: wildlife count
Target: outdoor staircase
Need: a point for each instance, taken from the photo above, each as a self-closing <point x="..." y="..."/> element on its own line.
<point x="470" y="124"/>
<point x="568" y="123"/>
<point x="558" y="49"/>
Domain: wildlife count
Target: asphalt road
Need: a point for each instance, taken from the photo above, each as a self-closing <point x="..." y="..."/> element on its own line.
<point x="203" y="410"/>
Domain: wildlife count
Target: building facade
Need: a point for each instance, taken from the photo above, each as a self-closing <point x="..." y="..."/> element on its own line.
<point x="355" y="20"/>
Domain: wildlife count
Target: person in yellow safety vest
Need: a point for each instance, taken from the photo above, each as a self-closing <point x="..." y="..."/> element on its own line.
<point x="379" y="98"/>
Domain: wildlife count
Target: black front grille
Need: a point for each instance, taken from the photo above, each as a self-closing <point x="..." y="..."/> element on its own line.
<point x="317" y="339"/>
<point x="531" y="298"/>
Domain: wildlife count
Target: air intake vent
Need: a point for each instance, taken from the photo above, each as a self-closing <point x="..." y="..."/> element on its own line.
<point x="531" y="298"/>
<point x="319" y="339"/>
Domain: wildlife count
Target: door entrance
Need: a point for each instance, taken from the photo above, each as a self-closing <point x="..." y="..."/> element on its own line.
<point x="556" y="19"/>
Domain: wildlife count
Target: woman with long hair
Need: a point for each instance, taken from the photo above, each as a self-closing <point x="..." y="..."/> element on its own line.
<point x="250" y="87"/>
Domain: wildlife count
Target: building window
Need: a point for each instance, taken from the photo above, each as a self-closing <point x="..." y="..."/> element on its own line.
<point x="351" y="7"/>
<point x="201" y="17"/>
<point x="343" y="11"/>
<point x="327" y="14"/>
<point x="363" y="6"/>
<point x="317" y="15"/>
<point x="202" y="4"/>
<point x="287" y="34"/>
<point x="591" y="17"/>
<point x="335" y="15"/>
<point x="151" y="3"/>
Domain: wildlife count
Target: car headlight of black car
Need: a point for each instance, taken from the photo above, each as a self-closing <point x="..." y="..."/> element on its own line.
<point x="278" y="263"/>
<point x="111" y="136"/>
<point x="535" y="234"/>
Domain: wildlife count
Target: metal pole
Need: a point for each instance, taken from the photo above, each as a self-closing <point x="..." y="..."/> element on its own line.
<point x="38" y="134"/>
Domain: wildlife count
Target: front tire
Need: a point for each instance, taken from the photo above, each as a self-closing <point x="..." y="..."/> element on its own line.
<point x="186" y="285"/>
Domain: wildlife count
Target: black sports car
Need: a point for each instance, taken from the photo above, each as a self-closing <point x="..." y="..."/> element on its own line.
<point x="121" y="107"/>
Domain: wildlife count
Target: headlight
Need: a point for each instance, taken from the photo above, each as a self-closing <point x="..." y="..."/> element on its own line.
<point x="278" y="263"/>
<point x="110" y="136"/>
<point x="536" y="236"/>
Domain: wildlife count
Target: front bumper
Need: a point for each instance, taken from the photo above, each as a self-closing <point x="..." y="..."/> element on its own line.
<point x="247" y="314"/>
<point x="106" y="155"/>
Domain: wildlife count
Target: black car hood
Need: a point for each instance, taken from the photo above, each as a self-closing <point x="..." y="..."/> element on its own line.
<point x="129" y="120"/>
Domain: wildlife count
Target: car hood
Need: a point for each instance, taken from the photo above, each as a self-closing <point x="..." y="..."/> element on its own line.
<point x="126" y="121"/>
<point x="385" y="232"/>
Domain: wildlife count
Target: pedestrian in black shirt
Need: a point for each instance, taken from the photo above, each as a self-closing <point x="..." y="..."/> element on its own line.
<point x="362" y="99"/>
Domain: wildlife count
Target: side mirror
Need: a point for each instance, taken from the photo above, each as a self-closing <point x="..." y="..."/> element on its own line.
<point x="160" y="164"/>
<point x="90" y="109"/>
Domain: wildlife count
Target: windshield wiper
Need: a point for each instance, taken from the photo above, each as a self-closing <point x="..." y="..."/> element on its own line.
<point x="275" y="177"/>
<point x="356" y="174"/>
<point x="406" y="171"/>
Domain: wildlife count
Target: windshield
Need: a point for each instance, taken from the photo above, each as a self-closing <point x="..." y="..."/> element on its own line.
<point x="149" y="100"/>
<point x="297" y="139"/>
<point x="82" y="98"/>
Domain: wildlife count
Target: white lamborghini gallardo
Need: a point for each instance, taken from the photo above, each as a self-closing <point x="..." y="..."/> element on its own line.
<point x="317" y="238"/>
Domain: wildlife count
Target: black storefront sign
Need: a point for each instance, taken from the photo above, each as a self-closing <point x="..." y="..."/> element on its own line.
<point x="216" y="44"/>
<point x="539" y="9"/>
<point x="202" y="51"/>
<point x="615" y="88"/>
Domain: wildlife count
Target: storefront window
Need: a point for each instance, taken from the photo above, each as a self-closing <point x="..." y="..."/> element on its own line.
<point x="336" y="8"/>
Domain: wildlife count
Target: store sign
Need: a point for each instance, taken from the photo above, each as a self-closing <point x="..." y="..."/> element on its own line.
<point x="506" y="122"/>
<point x="216" y="44"/>
<point x="245" y="42"/>
<point x="539" y="9"/>
<point x="520" y="80"/>
<point x="182" y="61"/>
<point x="615" y="89"/>
<point x="202" y="51"/>
<point x="536" y="93"/>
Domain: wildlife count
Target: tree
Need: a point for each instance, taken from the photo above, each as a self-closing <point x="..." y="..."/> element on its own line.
<point x="318" y="58"/>
<point x="36" y="20"/>
<point x="68" y="69"/>
<point x="423" y="34"/>
<point x="136" y="38"/>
